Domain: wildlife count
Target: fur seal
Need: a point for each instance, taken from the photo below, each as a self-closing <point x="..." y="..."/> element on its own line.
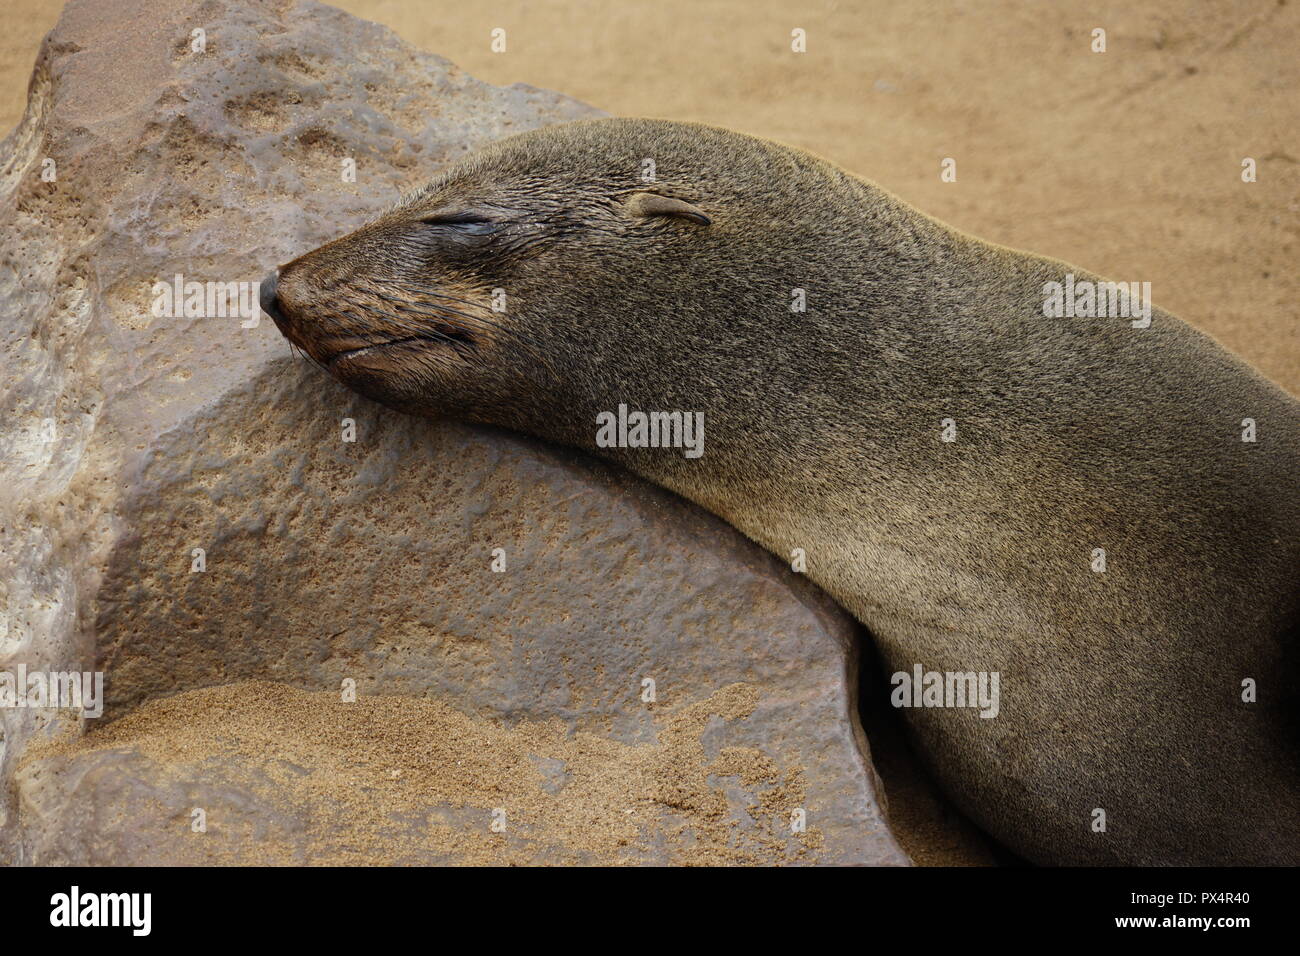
<point x="1072" y="504"/>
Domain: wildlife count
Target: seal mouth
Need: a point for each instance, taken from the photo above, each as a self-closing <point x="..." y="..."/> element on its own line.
<point x="376" y="347"/>
<point x="452" y="337"/>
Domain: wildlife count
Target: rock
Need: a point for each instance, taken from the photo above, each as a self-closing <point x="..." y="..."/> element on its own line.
<point x="180" y="508"/>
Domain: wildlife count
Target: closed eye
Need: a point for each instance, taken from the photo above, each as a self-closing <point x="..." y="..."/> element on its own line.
<point x="471" y="223"/>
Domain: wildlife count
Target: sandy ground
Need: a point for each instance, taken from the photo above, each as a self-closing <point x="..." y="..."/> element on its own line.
<point x="1126" y="162"/>
<point x="344" y="789"/>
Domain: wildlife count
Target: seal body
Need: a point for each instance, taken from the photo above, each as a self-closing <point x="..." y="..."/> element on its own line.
<point x="1072" y="504"/>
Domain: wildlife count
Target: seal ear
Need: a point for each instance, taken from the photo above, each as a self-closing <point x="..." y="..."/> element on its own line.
<point x="652" y="204"/>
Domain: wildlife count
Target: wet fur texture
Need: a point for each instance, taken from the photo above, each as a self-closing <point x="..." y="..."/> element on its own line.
<point x="1120" y="690"/>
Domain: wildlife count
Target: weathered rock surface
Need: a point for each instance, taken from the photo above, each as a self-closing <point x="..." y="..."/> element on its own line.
<point x="129" y="440"/>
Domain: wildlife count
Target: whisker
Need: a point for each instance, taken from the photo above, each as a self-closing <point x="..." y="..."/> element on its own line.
<point x="444" y="312"/>
<point x="418" y="317"/>
<point x="483" y="321"/>
<point x="417" y="330"/>
<point x="303" y="353"/>
<point x="424" y="333"/>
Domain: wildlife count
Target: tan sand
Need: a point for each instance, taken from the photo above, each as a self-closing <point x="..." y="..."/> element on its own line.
<point x="358" y="770"/>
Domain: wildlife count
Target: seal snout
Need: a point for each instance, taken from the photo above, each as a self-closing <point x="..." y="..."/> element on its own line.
<point x="267" y="290"/>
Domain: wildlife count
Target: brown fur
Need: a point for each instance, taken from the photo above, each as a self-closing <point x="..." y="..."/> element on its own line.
<point x="1119" y="690"/>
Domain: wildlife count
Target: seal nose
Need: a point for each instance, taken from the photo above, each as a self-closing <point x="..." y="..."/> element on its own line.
<point x="266" y="296"/>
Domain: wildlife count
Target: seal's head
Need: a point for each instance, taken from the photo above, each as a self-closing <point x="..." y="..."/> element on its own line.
<point x="563" y="271"/>
<point x="518" y="273"/>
